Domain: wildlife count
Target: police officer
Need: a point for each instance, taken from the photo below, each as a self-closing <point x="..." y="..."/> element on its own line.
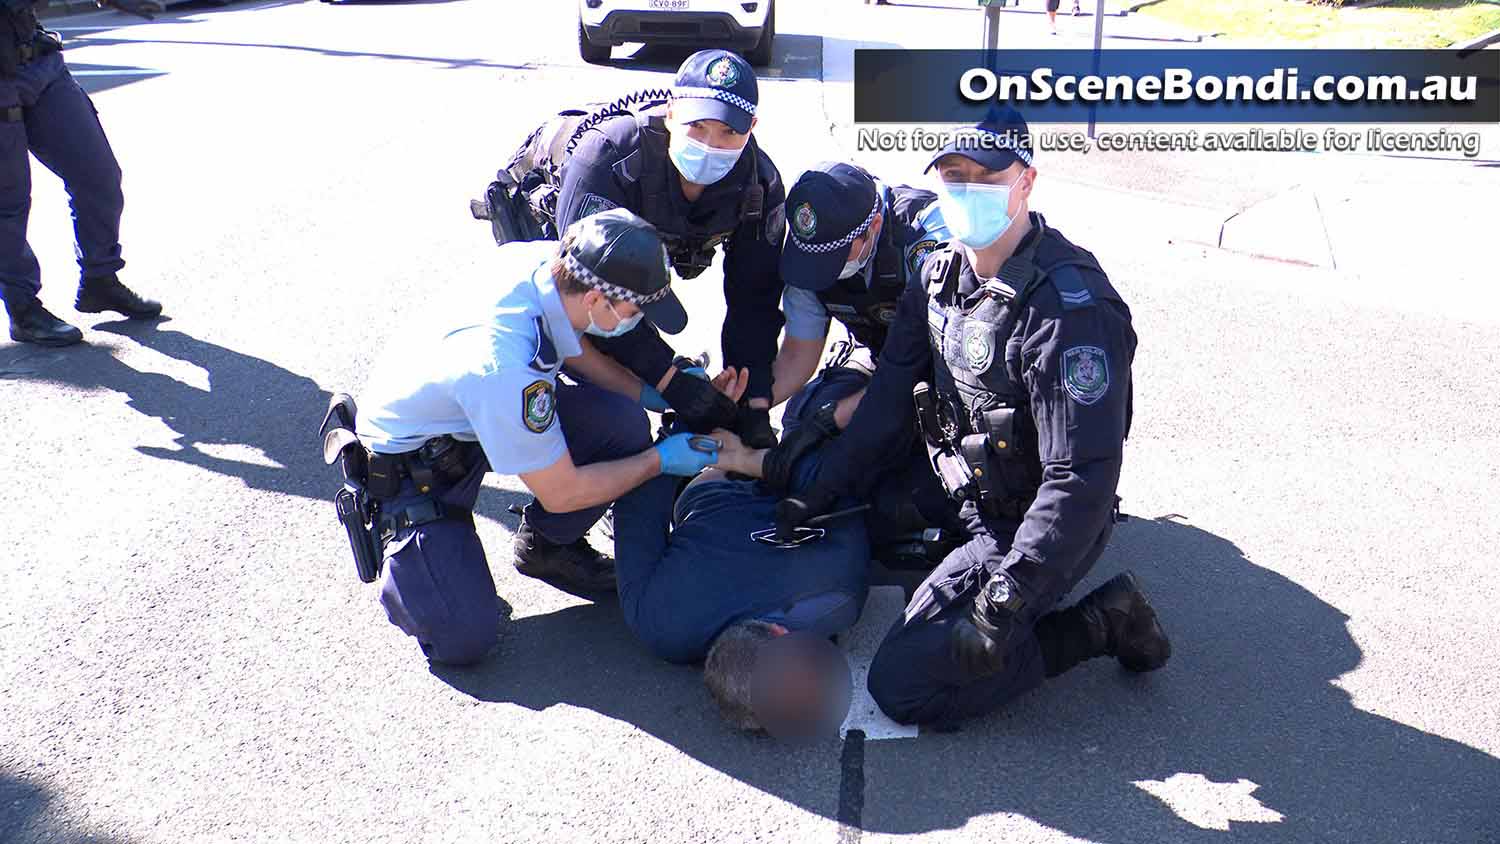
<point x="43" y="110"/>
<point x="1020" y="351"/>
<point x="853" y="243"/>
<point x="476" y="389"/>
<point x="692" y="169"/>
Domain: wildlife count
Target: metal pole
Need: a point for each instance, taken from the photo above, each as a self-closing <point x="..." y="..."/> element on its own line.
<point x="1098" y="52"/>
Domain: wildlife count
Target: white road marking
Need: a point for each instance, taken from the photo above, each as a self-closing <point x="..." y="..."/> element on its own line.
<point x="120" y="72"/>
<point x="883" y="606"/>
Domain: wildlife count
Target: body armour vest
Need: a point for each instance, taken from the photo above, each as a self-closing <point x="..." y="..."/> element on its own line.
<point x="690" y="241"/>
<point x="976" y="365"/>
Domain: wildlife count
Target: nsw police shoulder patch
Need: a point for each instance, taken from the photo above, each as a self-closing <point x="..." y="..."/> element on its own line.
<point x="979" y="346"/>
<point x="1085" y="373"/>
<point x="538" y="410"/>
<point x="918" y="253"/>
<point x="593" y="203"/>
<point x="776" y="225"/>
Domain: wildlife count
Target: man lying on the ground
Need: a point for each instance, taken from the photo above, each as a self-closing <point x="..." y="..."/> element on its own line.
<point x="694" y="584"/>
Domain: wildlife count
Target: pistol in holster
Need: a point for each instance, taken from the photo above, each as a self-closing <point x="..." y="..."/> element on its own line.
<point x="357" y="510"/>
<point x="940" y="431"/>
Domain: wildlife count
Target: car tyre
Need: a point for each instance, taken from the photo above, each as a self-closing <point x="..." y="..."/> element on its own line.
<point x="760" y="54"/>
<point x="591" y="52"/>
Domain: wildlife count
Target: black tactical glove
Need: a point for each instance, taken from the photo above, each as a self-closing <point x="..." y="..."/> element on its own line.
<point x="140" y="8"/>
<point x="699" y="404"/>
<point x="793" y="512"/>
<point x="776" y="468"/>
<point x="979" y="642"/>
<point x="753" y="424"/>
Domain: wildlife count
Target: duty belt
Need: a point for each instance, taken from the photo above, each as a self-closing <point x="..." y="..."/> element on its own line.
<point x="440" y="458"/>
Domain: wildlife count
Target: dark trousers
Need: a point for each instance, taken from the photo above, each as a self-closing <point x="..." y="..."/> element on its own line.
<point x="914" y="678"/>
<point x="60" y="127"/>
<point x="437" y="585"/>
<point x="901" y="483"/>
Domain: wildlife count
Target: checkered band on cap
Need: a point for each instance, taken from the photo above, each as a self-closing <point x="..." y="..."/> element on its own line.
<point x="985" y="139"/>
<point x="819" y="248"/>
<point x="613" y="291"/>
<point x="730" y="97"/>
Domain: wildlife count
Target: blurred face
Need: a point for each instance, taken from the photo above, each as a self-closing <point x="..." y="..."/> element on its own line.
<point x="714" y="133"/>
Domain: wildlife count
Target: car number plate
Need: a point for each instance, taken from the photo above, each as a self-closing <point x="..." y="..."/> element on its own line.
<point x="673" y="5"/>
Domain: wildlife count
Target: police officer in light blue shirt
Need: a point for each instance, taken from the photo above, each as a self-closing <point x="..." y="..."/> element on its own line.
<point x="476" y="389"/>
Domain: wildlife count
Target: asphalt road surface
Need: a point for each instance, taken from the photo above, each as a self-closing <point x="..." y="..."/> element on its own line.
<point x="186" y="655"/>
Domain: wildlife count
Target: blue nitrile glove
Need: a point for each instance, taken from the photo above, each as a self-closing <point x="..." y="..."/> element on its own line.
<point x="651" y="399"/>
<point x="679" y="457"/>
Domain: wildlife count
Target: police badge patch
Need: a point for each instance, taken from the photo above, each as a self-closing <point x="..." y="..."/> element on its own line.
<point x="723" y="73"/>
<point x="776" y="225"/>
<point x="537" y="408"/>
<point x="1085" y="373"/>
<point x="919" y="252"/>
<point x="804" y="221"/>
<point x="593" y="203"/>
<point x="979" y="346"/>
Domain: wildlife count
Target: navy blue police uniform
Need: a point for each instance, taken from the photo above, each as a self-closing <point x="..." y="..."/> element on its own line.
<point x="1021" y="385"/>
<point x="624" y="162"/>
<point x="44" y="111"/>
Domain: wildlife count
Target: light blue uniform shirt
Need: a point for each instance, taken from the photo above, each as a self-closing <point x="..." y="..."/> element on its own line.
<point x="806" y="316"/>
<point x="481" y="365"/>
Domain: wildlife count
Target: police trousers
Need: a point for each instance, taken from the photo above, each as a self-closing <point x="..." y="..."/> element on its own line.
<point x="437" y="585"/>
<point x="59" y="126"/>
<point x="915" y="679"/>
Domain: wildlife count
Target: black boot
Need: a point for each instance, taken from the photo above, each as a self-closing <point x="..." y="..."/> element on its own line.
<point x="1114" y="620"/>
<point x="577" y="565"/>
<point x="106" y="293"/>
<point x="32" y="323"/>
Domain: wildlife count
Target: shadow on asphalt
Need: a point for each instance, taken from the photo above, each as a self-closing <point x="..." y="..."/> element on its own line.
<point x="1244" y="731"/>
<point x="1243" y="726"/>
<point x="30" y="813"/>
<point x="249" y="402"/>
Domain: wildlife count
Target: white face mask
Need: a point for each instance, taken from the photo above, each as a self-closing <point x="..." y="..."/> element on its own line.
<point x="853" y="266"/>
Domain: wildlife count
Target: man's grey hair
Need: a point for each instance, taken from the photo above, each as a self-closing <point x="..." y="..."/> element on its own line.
<point x="730" y="667"/>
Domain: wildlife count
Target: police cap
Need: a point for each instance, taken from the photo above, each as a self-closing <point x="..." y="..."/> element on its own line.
<point x="1001" y="140"/>
<point x="830" y="206"/>
<point x="621" y="256"/>
<point x="715" y="85"/>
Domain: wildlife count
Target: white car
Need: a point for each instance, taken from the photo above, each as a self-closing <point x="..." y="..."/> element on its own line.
<point x="747" y="26"/>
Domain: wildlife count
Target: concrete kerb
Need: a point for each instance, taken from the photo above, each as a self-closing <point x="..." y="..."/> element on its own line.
<point x="1480" y="42"/>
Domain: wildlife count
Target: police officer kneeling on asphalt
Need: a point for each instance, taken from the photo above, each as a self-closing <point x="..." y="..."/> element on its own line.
<point x="476" y="389"/>
<point x="1014" y="352"/>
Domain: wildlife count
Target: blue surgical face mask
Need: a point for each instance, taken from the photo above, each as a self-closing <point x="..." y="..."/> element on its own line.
<point x="976" y="213"/>
<point x="853" y="266"/>
<point x="621" y="327"/>
<point x="698" y="162"/>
